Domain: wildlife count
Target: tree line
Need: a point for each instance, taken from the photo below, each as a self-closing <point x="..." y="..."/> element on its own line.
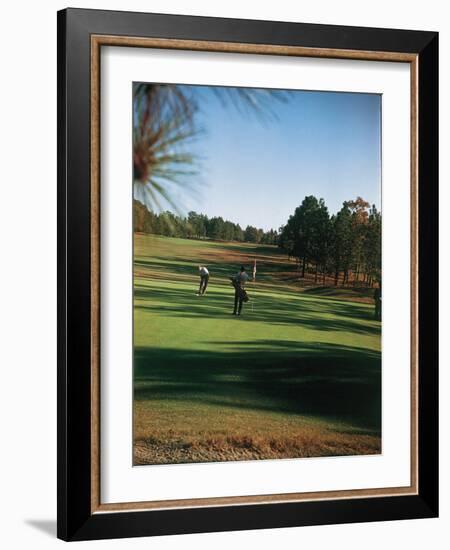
<point x="345" y="246"/>
<point x="197" y="226"/>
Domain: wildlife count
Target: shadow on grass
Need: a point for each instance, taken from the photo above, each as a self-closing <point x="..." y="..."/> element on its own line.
<point x="219" y="264"/>
<point x="309" y="313"/>
<point x="330" y="382"/>
<point x="339" y="290"/>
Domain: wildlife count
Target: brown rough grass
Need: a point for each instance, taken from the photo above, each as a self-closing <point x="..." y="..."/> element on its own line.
<point x="221" y="448"/>
<point x="161" y="436"/>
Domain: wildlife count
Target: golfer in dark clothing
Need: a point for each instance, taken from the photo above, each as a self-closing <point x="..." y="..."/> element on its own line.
<point x="240" y="295"/>
<point x="204" y="278"/>
<point x="377" y="298"/>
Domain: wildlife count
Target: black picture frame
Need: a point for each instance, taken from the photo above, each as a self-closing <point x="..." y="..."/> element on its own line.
<point x="75" y="518"/>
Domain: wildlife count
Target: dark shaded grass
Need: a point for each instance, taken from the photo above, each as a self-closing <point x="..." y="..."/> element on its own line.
<point x="337" y="383"/>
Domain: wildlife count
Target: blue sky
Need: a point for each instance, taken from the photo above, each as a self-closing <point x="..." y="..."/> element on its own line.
<point x="321" y="143"/>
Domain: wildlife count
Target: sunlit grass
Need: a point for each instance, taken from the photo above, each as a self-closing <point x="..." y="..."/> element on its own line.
<point x="298" y="375"/>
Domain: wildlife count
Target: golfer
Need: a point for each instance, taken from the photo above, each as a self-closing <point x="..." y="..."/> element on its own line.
<point x="240" y="296"/>
<point x="204" y="278"/>
<point x="377" y="299"/>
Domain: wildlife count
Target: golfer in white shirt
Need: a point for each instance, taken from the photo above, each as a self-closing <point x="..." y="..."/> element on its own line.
<point x="204" y="278"/>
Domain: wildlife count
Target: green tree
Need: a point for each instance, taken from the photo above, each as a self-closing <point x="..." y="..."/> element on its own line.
<point x="216" y="228"/>
<point x="304" y="228"/>
<point x="270" y="237"/>
<point x="321" y="237"/>
<point x="251" y="234"/>
<point x="372" y="247"/>
<point x="197" y="223"/>
<point x="341" y="243"/>
<point x="238" y="233"/>
<point x="286" y="239"/>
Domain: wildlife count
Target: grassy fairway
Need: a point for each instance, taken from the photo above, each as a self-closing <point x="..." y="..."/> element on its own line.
<point x="299" y="374"/>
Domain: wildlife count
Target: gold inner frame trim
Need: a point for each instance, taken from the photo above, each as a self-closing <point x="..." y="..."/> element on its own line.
<point x="97" y="41"/>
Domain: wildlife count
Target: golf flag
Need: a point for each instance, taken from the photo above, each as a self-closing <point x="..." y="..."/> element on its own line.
<point x="254" y="270"/>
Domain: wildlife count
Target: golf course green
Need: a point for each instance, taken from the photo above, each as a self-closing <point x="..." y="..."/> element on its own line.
<point x="297" y="375"/>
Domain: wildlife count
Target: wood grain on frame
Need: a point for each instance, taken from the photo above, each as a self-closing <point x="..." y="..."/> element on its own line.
<point x="124" y="41"/>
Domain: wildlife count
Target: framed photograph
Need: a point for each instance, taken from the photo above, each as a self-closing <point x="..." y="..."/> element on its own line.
<point x="247" y="252"/>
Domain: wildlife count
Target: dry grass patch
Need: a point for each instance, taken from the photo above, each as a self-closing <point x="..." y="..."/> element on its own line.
<point x="199" y="436"/>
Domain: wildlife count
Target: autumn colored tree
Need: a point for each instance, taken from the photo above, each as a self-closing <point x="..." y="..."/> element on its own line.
<point x="349" y="242"/>
<point x="346" y="245"/>
<point x="359" y="209"/>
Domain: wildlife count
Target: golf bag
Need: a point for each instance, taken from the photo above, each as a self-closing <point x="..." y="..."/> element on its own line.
<point x="243" y="296"/>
